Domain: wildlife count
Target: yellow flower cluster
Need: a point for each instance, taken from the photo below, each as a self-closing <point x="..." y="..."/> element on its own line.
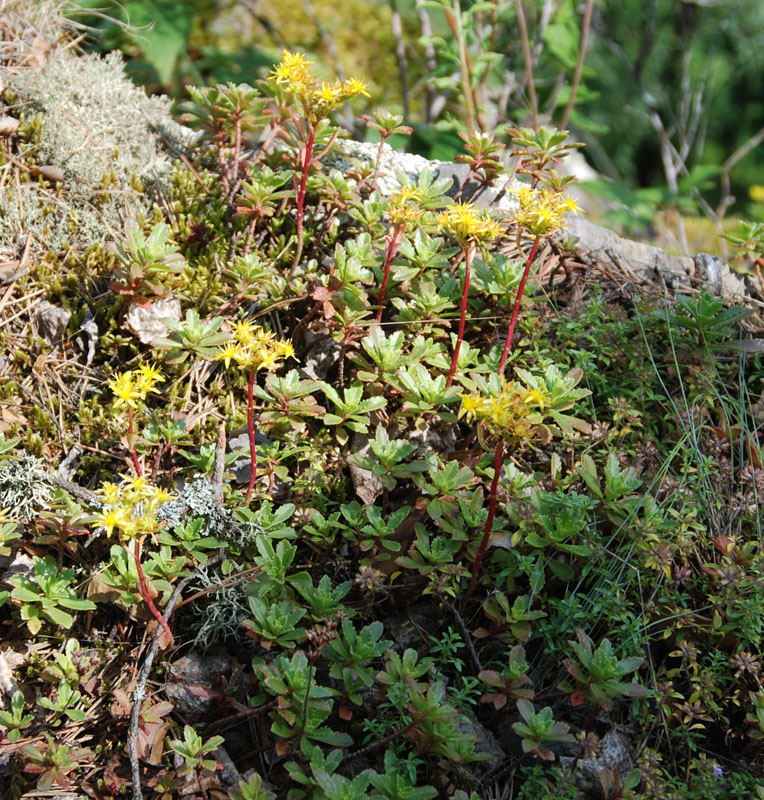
<point x="469" y="225"/>
<point x="513" y="412"/>
<point x="131" y="508"/>
<point x="318" y="99"/>
<point x="254" y="348"/>
<point x="404" y="206"/>
<point x="134" y="385"/>
<point x="542" y="211"/>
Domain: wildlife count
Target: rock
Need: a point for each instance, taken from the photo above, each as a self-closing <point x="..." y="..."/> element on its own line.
<point x="20" y="564"/>
<point x="51" y="321"/>
<point x="616" y="753"/>
<point x="228" y="774"/>
<point x="406" y="629"/>
<point x="68" y="467"/>
<point x="320" y="358"/>
<point x="147" y="322"/>
<point x="8" y="126"/>
<point x="367" y="486"/>
<point x="486" y="746"/>
<point x="191" y="682"/>
<point x="431" y="440"/>
<point x="242" y="467"/>
<point x="639" y="262"/>
<point x="391" y="164"/>
<point x="87" y="338"/>
<point x="8" y="685"/>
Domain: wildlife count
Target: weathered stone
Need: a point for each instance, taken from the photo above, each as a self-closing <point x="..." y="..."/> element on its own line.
<point x="51" y="321"/>
<point x="146" y="322"/>
<point x="191" y="680"/>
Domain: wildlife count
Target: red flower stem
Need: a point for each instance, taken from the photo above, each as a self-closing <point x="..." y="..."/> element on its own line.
<point x="301" y="194"/>
<point x="518" y="299"/>
<point x="498" y="464"/>
<point x="392" y="249"/>
<point x="144" y="589"/>
<point x="469" y="254"/>
<point x="133" y="454"/>
<point x="251" y="431"/>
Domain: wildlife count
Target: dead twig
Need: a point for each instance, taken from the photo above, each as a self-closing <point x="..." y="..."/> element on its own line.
<point x="217" y="478"/>
<point x="143" y="677"/>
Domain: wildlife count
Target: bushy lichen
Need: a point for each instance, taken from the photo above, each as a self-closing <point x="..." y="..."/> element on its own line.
<point x="105" y="134"/>
<point x="197" y="499"/>
<point x="23" y="489"/>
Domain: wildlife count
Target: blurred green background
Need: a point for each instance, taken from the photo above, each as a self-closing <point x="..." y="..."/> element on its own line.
<point x="669" y="101"/>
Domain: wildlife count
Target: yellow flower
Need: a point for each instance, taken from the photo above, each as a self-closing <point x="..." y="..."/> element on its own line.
<point x="294" y="71"/>
<point x="329" y="93"/>
<point x="535" y="397"/>
<point x="469" y="224"/>
<point x="230" y="352"/>
<point x="354" y="86"/>
<point x="318" y="100"/>
<point x="162" y="496"/>
<point x="756" y="193"/>
<point x="124" y="389"/>
<point x="542" y="211"/>
<point x="133" y="385"/>
<point x="254" y="348"/>
<point x="471" y="405"/>
<point x="287" y="350"/>
<point x="131" y="507"/>
<point x="117" y="517"/>
<point x="505" y="410"/>
<point x="404" y="206"/>
<point x="148" y="375"/>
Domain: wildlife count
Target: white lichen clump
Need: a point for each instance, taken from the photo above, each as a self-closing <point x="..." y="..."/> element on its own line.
<point x="96" y="128"/>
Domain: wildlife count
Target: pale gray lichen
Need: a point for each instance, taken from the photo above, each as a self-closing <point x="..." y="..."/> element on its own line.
<point x="101" y="131"/>
<point x="24" y="492"/>
<point x="197" y="500"/>
<point x="219" y="617"/>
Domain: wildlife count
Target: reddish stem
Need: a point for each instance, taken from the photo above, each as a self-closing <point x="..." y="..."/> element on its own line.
<point x="378" y="162"/>
<point x="392" y="249"/>
<point x="469" y="254"/>
<point x="144" y="589"/>
<point x="498" y="464"/>
<point x="516" y="309"/>
<point x="133" y="453"/>
<point x="301" y="193"/>
<point x="251" y="431"/>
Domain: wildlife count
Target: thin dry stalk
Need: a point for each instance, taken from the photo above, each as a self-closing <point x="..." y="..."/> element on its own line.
<point x="586" y="24"/>
<point x="143" y="676"/>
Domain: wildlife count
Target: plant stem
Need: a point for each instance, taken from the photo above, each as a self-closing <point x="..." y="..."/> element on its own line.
<point x="143" y="677"/>
<point x="251" y="431"/>
<point x="392" y="249"/>
<point x="144" y="589"/>
<point x="527" y="58"/>
<point x="469" y="254"/>
<point x="586" y="23"/>
<point x="133" y="454"/>
<point x="301" y="195"/>
<point x="498" y="463"/>
<point x="454" y="18"/>
<point x="516" y="309"/>
<point x="378" y="162"/>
